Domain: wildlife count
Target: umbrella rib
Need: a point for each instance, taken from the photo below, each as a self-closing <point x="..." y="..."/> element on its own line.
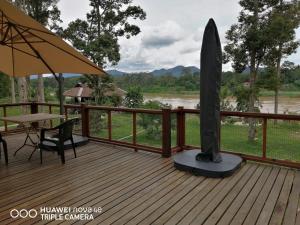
<point x="19" y="50"/>
<point x="15" y="23"/>
<point x="35" y="51"/>
<point x="13" y="37"/>
<point x="12" y="53"/>
<point x="66" y="52"/>
<point x="5" y="35"/>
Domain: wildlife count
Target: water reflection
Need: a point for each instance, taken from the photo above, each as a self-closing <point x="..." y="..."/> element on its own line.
<point x="286" y="104"/>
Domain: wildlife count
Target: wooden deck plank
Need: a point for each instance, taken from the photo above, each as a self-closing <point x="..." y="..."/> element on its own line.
<point x="182" y="203"/>
<point x="253" y="214"/>
<point x="197" y="210"/>
<point x="238" y="213"/>
<point x="114" y="178"/>
<point x="251" y="178"/>
<point x="281" y="204"/>
<point x="134" y="209"/>
<point x="150" y="212"/>
<point x="224" y="198"/>
<point x="267" y="211"/>
<point x="143" y="188"/>
<point x="291" y="210"/>
<point x="46" y="188"/>
<point x="115" y="209"/>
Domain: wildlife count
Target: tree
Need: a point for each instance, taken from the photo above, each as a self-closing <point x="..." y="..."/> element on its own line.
<point x="151" y="123"/>
<point x="47" y="13"/>
<point x="247" y="45"/>
<point x="134" y="98"/>
<point x="4" y="85"/>
<point x="12" y="90"/>
<point x="284" y="19"/>
<point x="97" y="36"/>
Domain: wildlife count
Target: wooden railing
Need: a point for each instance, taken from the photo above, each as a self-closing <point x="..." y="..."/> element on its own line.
<point x="179" y="116"/>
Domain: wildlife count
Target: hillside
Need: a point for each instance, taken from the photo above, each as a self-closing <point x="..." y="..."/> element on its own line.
<point x="175" y="71"/>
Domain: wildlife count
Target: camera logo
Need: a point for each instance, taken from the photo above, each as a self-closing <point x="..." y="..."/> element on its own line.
<point x="23" y="213"/>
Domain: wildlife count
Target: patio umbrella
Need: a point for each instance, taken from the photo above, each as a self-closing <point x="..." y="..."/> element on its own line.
<point x="27" y="47"/>
<point x="210" y="82"/>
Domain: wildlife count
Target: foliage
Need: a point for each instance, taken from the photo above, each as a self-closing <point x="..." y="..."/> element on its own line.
<point x="4" y="85"/>
<point x="165" y="83"/>
<point x="152" y="123"/>
<point x="115" y="100"/>
<point x="44" y="11"/>
<point x="97" y="36"/>
<point x="134" y="98"/>
<point x="247" y="43"/>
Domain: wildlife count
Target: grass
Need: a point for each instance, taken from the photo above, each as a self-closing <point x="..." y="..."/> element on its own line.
<point x="283" y="138"/>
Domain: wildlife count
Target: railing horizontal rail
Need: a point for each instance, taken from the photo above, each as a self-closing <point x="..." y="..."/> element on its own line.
<point x="265" y="150"/>
<point x="248" y="114"/>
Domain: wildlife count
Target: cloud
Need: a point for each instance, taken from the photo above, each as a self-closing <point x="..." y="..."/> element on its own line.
<point x="172" y="33"/>
<point x="162" y="35"/>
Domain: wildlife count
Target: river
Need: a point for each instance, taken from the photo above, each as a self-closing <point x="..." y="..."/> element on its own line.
<point x="286" y="104"/>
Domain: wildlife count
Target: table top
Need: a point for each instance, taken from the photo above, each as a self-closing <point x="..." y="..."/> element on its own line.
<point x="30" y="118"/>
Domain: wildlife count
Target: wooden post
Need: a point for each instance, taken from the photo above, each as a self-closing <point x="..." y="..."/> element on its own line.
<point x="50" y="112"/>
<point x="109" y="124"/>
<point x="85" y="121"/>
<point x="264" y="147"/>
<point x="166" y="133"/>
<point x="134" y="130"/>
<point x="180" y="128"/>
<point x="66" y="112"/>
<point x="5" y="115"/>
<point x="34" y="108"/>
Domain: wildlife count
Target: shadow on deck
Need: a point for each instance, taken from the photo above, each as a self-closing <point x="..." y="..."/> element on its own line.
<point x="143" y="188"/>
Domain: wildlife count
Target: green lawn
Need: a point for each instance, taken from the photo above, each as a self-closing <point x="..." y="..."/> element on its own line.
<point x="283" y="138"/>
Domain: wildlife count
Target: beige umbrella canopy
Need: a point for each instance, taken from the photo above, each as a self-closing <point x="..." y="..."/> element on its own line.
<point x="27" y="47"/>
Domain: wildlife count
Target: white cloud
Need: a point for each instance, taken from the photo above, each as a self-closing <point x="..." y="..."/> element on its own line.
<point x="172" y="33"/>
<point x="162" y="35"/>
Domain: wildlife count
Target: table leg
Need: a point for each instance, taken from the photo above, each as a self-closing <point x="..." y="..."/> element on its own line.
<point x="35" y="148"/>
<point x="28" y="137"/>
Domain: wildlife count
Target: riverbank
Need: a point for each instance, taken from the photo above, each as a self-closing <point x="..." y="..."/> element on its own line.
<point x="289" y="102"/>
<point x="194" y="94"/>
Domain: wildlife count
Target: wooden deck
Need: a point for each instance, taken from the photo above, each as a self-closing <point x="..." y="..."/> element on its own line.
<point x="143" y="188"/>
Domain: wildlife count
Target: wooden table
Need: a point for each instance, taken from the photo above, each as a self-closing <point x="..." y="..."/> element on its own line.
<point x="27" y="122"/>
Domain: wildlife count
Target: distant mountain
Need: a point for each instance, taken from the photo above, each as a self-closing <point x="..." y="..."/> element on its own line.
<point x="175" y="71"/>
<point x="115" y="73"/>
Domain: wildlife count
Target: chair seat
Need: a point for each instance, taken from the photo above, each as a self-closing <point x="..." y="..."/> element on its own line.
<point x="78" y="141"/>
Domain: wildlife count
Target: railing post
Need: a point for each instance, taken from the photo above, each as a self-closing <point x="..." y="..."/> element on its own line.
<point x="166" y="133"/>
<point x="34" y="108"/>
<point x="109" y="125"/>
<point x="66" y="112"/>
<point x="50" y="112"/>
<point x="180" y="128"/>
<point x="264" y="147"/>
<point x="134" y="130"/>
<point x="5" y="115"/>
<point x="85" y="121"/>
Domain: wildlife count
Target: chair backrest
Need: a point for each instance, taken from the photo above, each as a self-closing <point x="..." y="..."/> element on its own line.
<point x="66" y="130"/>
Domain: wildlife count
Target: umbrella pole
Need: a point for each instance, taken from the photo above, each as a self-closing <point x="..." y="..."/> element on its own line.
<point x="60" y="94"/>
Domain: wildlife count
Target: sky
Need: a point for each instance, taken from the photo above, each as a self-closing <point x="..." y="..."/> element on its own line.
<point x="172" y="33"/>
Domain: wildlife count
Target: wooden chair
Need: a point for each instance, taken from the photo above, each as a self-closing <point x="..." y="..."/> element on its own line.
<point x="4" y="144"/>
<point x="64" y="132"/>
